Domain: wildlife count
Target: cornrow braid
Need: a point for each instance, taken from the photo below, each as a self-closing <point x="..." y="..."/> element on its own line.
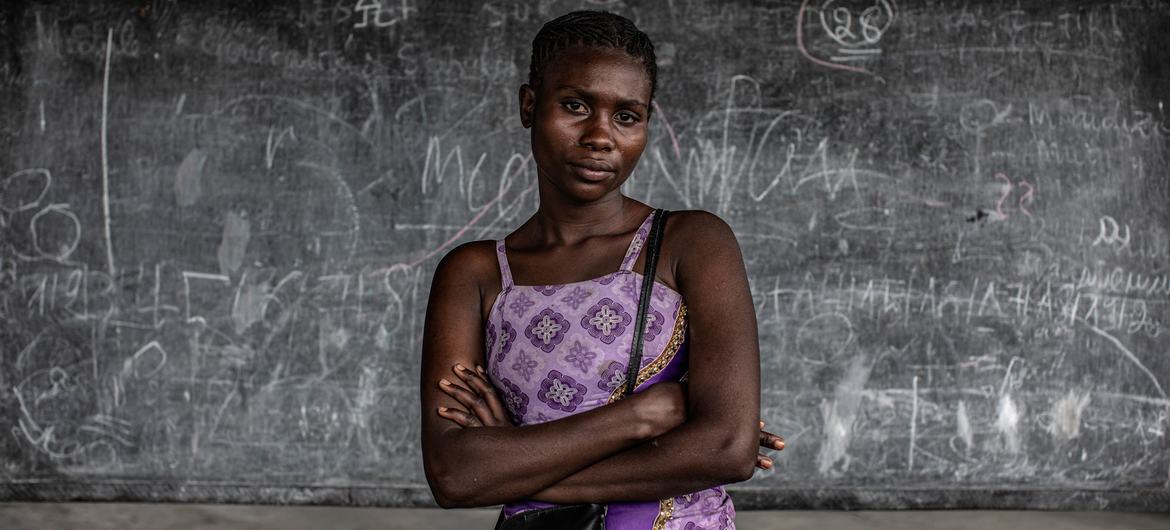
<point x="591" y="28"/>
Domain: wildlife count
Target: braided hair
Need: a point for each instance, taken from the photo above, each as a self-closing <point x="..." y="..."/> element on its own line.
<point x="591" y="28"/>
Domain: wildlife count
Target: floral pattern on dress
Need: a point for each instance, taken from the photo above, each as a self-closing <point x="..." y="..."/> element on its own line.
<point x="576" y="297"/>
<point x="688" y="500"/>
<point x="708" y="509"/>
<point x="521" y="304"/>
<point x="506" y="338"/>
<point x="654" y="321"/>
<point x="612" y="377"/>
<point x="524" y="365"/>
<point x="636" y="245"/>
<point x="580" y="357"/>
<point x="547" y="290"/>
<point x="606" y="320"/>
<point x="514" y="399"/>
<point x="489" y="339"/>
<point x="608" y="278"/>
<point x="547" y="329"/>
<point x="561" y="392"/>
<point x="631" y="287"/>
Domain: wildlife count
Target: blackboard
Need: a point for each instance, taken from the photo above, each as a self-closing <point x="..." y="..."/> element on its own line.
<point x="218" y="222"/>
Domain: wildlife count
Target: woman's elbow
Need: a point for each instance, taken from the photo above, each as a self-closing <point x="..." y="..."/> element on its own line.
<point x="448" y="503"/>
<point x="447" y="487"/>
<point x="740" y="450"/>
<point x="448" y="493"/>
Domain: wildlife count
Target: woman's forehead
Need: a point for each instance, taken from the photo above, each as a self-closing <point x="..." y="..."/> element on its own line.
<point x="598" y="70"/>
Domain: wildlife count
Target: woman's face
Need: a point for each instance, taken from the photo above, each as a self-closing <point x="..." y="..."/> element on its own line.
<point x="588" y="119"/>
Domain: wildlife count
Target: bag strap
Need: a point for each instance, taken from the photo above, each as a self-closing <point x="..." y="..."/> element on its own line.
<point x="644" y="301"/>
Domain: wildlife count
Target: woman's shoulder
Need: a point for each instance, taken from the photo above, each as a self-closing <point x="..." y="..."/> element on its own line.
<point x="693" y="228"/>
<point x="474" y="261"/>
<point x="696" y="244"/>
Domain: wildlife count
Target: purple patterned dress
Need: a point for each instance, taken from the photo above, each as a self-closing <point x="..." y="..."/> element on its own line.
<point x="557" y="350"/>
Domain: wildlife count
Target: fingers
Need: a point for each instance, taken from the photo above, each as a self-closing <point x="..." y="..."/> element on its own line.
<point x="460" y="417"/>
<point x="772" y="441"/>
<point x="769" y="440"/>
<point x="472" y="401"/>
<point x="478" y="382"/>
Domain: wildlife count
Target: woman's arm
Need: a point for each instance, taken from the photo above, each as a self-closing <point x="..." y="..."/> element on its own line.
<point x="490" y="465"/>
<point x="718" y="443"/>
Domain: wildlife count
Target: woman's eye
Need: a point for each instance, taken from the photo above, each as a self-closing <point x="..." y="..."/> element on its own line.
<point x="627" y="117"/>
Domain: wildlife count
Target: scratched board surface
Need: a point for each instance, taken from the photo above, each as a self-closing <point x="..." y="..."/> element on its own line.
<point x="218" y="222"/>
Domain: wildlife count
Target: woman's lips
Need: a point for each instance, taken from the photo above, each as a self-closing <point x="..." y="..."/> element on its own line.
<point x="592" y="172"/>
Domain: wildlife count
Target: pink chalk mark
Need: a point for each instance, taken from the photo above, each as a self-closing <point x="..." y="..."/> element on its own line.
<point x="479" y="215"/>
<point x="1006" y="192"/>
<point x="1027" y="197"/>
<point x="669" y="131"/>
<point x="809" y="56"/>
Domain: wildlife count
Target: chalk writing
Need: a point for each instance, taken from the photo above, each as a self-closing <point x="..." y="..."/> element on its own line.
<point x="856" y="26"/>
<point x="1126" y="304"/>
<point x="375" y="14"/>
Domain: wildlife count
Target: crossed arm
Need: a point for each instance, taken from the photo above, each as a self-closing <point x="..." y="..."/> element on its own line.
<point x="661" y="442"/>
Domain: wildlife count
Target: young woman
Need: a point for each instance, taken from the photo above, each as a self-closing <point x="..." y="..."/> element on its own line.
<point x="527" y="338"/>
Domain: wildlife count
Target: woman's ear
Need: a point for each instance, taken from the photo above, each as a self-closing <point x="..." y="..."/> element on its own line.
<point x="527" y="105"/>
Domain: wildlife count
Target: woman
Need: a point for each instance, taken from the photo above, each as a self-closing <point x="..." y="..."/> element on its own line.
<point x="527" y="338"/>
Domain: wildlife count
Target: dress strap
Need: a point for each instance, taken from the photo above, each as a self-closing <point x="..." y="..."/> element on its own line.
<point x="505" y="271"/>
<point x="637" y="243"/>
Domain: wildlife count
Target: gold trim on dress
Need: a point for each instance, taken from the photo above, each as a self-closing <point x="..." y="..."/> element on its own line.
<point x="665" y="512"/>
<point x="677" y="336"/>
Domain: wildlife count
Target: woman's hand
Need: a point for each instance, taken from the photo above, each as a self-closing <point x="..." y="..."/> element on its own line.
<point x="659" y="408"/>
<point x="662" y="407"/>
<point x="769" y="441"/>
<point x="482" y="405"/>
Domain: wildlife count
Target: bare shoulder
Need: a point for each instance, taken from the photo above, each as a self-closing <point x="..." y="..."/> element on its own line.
<point x="696" y="233"/>
<point x="698" y="243"/>
<point x="472" y="263"/>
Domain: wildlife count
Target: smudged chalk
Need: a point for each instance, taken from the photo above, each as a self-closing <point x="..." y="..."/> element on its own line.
<point x="189" y="178"/>
<point x="237" y="230"/>
<point x="1066" y="415"/>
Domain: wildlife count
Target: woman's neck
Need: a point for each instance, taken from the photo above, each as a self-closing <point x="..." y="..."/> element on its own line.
<point x="569" y="225"/>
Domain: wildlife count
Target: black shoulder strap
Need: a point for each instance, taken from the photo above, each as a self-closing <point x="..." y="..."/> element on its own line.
<point x="652" y="246"/>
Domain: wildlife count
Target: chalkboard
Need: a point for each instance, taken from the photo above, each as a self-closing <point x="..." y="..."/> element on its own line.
<point x="218" y="223"/>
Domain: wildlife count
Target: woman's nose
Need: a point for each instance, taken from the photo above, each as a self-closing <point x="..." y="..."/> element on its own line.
<point x="598" y="134"/>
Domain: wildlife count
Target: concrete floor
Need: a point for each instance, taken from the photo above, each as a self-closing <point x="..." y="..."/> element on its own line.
<point x="20" y="516"/>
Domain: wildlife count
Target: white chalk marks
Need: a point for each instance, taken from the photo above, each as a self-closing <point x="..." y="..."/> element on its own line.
<point x="839" y="415"/>
<point x="64" y="229"/>
<point x="189" y="178"/>
<point x="847" y="33"/>
<point x="53" y="229"/>
<point x="24" y="190"/>
<point x="383" y="14"/>
<point x="106" y="157"/>
<point x="237" y="230"/>
<point x="1112" y="234"/>
<point x="1127" y="354"/>
<point x="913" y="424"/>
<point x="1065" y="415"/>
